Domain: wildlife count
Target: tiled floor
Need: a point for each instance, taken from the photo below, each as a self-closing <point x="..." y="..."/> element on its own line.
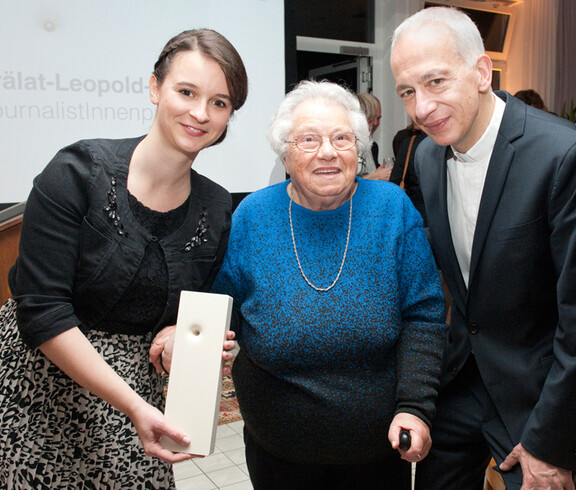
<point x="225" y="469"/>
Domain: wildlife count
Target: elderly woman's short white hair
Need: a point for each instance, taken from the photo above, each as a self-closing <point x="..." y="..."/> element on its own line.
<point x="325" y="91"/>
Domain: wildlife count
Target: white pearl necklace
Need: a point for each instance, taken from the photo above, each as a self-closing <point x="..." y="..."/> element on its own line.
<point x="296" y="250"/>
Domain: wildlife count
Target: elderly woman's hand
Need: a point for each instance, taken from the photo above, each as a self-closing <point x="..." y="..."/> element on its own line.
<point x="162" y="349"/>
<point x="227" y="354"/>
<point x="419" y="435"/>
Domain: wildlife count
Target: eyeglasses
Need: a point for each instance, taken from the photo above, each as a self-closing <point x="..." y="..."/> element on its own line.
<point x="343" y="140"/>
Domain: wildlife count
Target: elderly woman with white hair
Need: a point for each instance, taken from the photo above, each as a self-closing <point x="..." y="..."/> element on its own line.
<point x="339" y="310"/>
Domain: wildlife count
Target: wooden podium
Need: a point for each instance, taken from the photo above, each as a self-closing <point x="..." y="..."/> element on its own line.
<point x="10" y="226"/>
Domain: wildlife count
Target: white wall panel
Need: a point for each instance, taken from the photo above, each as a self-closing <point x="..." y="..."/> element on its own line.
<point x="75" y="69"/>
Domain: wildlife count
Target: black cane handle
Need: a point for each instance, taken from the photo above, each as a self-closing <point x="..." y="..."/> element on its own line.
<point x="405" y="440"/>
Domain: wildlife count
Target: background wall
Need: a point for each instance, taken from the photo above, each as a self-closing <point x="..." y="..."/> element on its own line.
<point x="75" y="69"/>
<point x="543" y="51"/>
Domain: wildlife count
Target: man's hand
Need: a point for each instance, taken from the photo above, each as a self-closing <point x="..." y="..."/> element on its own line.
<point x="537" y="474"/>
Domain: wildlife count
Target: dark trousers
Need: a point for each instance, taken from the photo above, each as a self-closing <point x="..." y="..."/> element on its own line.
<point x="267" y="472"/>
<point x="467" y="430"/>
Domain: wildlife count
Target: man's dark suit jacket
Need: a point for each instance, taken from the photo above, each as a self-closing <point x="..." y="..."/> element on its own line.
<point x="518" y="315"/>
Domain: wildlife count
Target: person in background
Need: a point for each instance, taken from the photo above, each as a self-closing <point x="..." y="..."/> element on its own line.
<point x="499" y="184"/>
<point x="531" y="98"/>
<point x="404" y="134"/>
<point x="369" y="166"/>
<point x="372" y="108"/>
<point x="404" y="172"/>
<point x="113" y="230"/>
<point x="339" y="309"/>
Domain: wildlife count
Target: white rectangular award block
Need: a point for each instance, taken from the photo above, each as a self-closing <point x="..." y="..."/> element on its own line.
<point x="195" y="383"/>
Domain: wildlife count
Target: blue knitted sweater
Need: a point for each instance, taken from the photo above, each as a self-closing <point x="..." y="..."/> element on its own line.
<point x="320" y="375"/>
